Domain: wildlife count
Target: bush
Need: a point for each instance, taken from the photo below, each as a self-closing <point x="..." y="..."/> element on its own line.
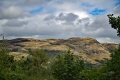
<point x="67" y="67"/>
<point x="113" y="65"/>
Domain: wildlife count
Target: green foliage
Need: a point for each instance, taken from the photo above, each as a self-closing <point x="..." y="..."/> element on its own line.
<point x="113" y="65"/>
<point x="6" y="66"/>
<point x="90" y="74"/>
<point x="32" y="68"/>
<point x="67" y="67"/>
<point x="39" y="57"/>
<point x="115" y="23"/>
<point x="5" y="62"/>
<point x="35" y="66"/>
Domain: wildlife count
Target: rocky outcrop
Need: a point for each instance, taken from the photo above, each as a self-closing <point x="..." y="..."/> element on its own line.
<point x="18" y="40"/>
<point x="90" y="49"/>
<point x="110" y="46"/>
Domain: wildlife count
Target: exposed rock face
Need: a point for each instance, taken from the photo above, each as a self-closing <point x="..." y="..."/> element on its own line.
<point x="90" y="49"/>
<point x="18" y="40"/>
<point x="110" y="46"/>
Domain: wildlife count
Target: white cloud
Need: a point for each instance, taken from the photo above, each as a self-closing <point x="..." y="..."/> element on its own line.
<point x="14" y="23"/>
<point x="12" y="12"/>
<point x="58" y="19"/>
<point x="117" y="10"/>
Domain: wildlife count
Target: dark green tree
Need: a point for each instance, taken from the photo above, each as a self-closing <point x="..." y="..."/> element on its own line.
<point x="36" y="64"/>
<point x="113" y="65"/>
<point x="67" y="67"/>
<point x="8" y="66"/>
<point x="38" y="57"/>
<point x="115" y="23"/>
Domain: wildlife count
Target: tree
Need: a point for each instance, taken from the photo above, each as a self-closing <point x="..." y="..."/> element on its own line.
<point x="39" y="57"/>
<point x="115" y="23"/>
<point x="36" y="64"/>
<point x="113" y="65"/>
<point x="67" y="67"/>
<point x="8" y="67"/>
<point x="112" y="68"/>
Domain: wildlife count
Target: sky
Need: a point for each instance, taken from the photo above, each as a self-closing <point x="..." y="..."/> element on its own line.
<point x="60" y="19"/>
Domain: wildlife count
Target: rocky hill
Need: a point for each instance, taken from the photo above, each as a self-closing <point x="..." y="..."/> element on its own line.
<point x="90" y="49"/>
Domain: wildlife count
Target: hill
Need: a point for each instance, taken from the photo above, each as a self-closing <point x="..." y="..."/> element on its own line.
<point x="90" y="49"/>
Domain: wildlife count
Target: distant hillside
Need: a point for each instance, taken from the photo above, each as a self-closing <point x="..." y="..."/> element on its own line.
<point x="90" y="49"/>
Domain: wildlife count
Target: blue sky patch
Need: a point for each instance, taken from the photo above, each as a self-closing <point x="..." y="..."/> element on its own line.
<point x="36" y="10"/>
<point x="117" y="3"/>
<point x="97" y="11"/>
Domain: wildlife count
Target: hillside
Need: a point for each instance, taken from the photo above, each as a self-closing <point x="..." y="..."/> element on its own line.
<point x="90" y="49"/>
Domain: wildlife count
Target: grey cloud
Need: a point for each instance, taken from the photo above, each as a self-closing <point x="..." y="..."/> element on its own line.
<point x="25" y="31"/>
<point x="60" y="17"/>
<point x="12" y="12"/>
<point x="101" y="32"/>
<point x="50" y="17"/>
<point x="68" y="23"/>
<point x="99" y="22"/>
<point x="107" y="39"/>
<point x="100" y="28"/>
<point x="15" y="23"/>
<point x="34" y="2"/>
<point x="19" y="9"/>
<point x="23" y="2"/>
<point x="107" y="33"/>
<point x="117" y="10"/>
<point x="83" y="20"/>
<point x="70" y="17"/>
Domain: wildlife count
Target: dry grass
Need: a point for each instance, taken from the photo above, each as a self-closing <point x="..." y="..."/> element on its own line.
<point x="87" y="44"/>
<point x="18" y="55"/>
<point x="56" y="47"/>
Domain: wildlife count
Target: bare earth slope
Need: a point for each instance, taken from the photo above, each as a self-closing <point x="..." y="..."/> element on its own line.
<point x="90" y="49"/>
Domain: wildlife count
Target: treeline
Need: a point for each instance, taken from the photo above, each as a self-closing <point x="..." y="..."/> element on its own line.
<point x="39" y="66"/>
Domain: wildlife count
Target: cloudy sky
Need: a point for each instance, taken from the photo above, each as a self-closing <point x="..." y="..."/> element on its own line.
<point x="45" y="19"/>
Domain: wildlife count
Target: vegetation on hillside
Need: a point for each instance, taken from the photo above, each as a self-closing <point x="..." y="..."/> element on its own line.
<point x="31" y="68"/>
<point x="38" y="66"/>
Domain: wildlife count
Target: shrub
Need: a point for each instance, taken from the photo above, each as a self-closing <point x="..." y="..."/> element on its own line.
<point x="67" y="67"/>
